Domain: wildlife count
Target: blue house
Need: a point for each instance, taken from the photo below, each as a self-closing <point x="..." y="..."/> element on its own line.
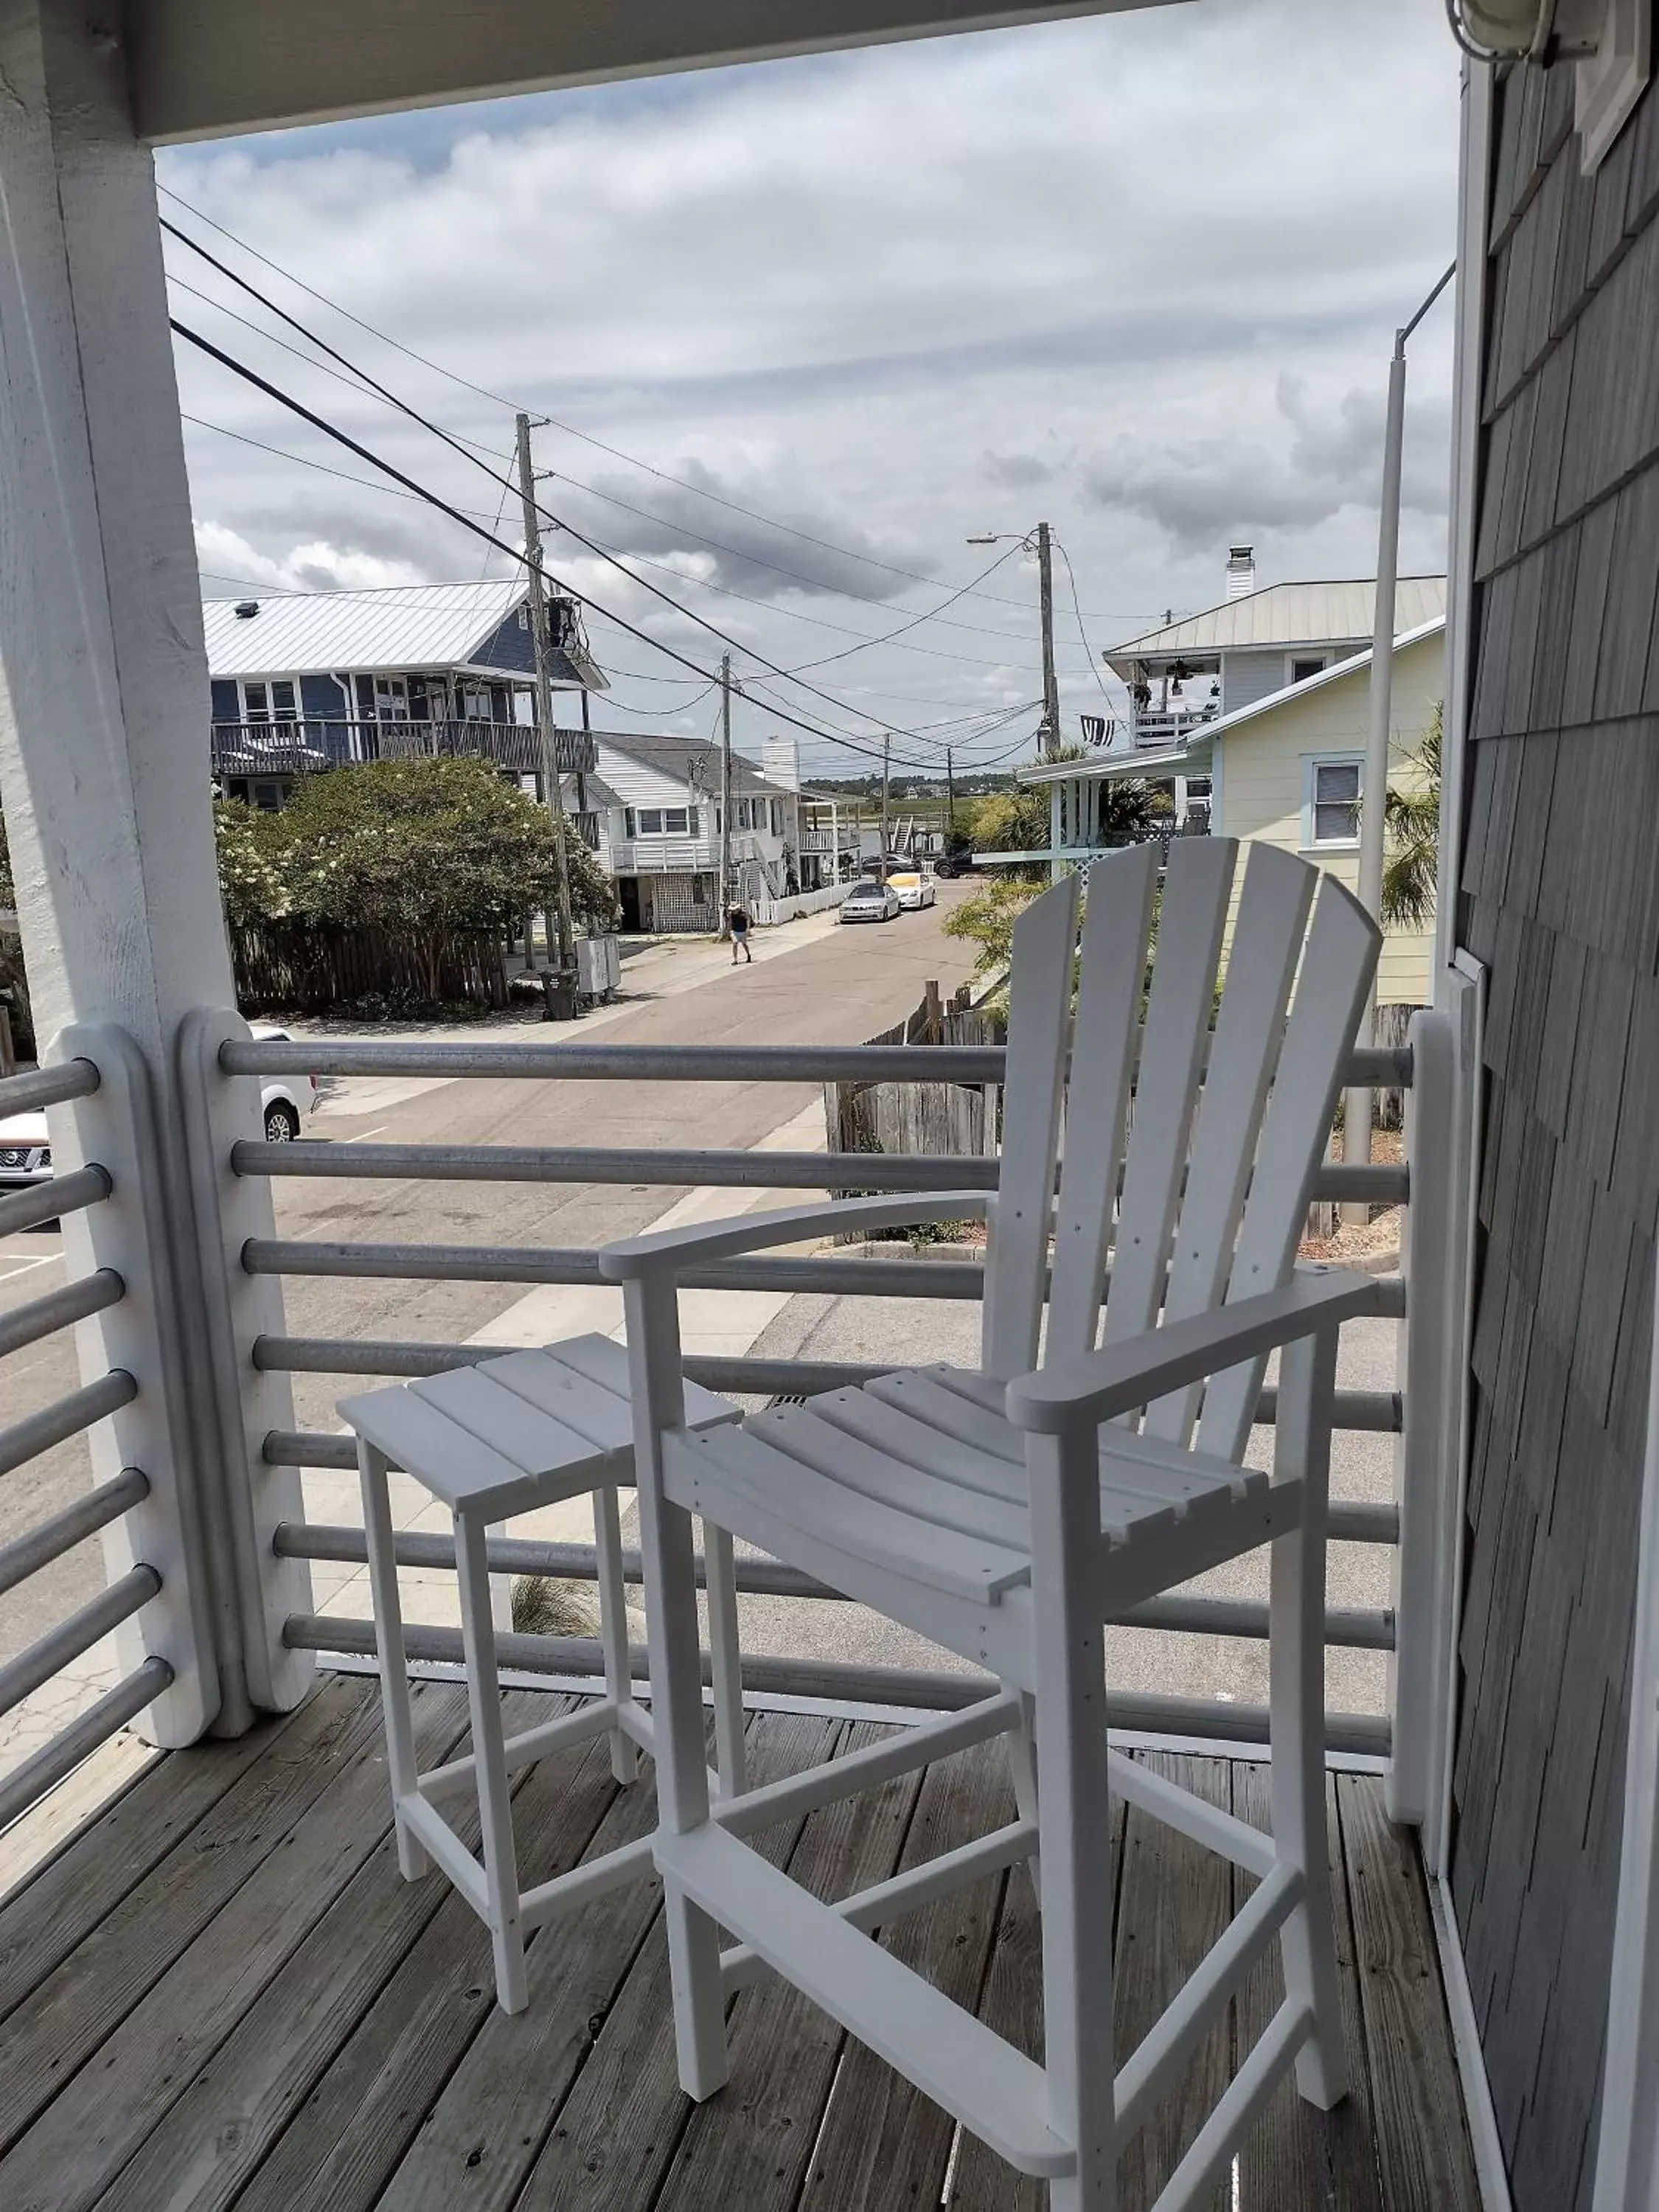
<point x="307" y="680"/>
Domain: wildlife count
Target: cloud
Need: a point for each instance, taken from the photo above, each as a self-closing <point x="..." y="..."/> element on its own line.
<point x="1136" y="274"/>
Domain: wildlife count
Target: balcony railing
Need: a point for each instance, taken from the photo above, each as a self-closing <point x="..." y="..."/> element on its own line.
<point x="296" y="748"/>
<point x="1172" y="725"/>
<point x="675" y="856"/>
<point x="249" y="1350"/>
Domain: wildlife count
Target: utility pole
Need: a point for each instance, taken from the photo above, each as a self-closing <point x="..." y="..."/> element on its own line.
<point x="1050" y="687"/>
<point x="886" y="752"/>
<point x="725" y="793"/>
<point x="950" y="795"/>
<point x="538" y="631"/>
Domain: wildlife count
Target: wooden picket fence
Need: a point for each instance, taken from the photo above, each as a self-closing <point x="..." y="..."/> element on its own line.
<point x="300" y="967"/>
<point x="921" y="1117"/>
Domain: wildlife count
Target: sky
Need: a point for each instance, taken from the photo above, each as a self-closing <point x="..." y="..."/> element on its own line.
<point x="805" y="327"/>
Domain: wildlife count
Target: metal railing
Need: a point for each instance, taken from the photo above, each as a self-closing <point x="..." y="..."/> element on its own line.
<point x="303" y="744"/>
<point x="109" y="1502"/>
<point x="1367" y="1411"/>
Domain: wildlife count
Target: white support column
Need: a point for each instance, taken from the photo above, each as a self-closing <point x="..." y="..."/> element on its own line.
<point x="104" y="703"/>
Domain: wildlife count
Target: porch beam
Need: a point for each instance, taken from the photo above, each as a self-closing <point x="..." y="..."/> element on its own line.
<point x="203" y="68"/>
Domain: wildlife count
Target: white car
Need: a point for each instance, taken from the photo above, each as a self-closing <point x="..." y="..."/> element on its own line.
<point x="915" y="888"/>
<point x="26" y="1148"/>
<point x="870" y="901"/>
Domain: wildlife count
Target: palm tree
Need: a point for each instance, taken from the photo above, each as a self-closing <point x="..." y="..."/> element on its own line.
<point x="1412" y="819"/>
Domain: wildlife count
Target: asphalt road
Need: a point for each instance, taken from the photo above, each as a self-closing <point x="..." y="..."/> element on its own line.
<point x="812" y="983"/>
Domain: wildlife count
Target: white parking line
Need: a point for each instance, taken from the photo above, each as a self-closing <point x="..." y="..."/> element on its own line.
<point x="25" y="1267"/>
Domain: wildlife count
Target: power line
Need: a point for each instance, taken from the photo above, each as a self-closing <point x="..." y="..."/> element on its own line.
<point x="664" y="476"/>
<point x="456" y="515"/>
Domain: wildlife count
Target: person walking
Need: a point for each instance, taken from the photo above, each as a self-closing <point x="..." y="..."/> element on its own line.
<point x="738" y="922"/>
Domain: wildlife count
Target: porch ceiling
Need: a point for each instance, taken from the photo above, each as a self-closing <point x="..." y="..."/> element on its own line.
<point x="205" y="69"/>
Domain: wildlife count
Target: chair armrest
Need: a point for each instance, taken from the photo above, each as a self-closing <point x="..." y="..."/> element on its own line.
<point x="1085" y="1392"/>
<point x="670" y="1251"/>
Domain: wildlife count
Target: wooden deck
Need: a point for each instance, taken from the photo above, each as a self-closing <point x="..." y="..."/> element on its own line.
<point x="219" y="1993"/>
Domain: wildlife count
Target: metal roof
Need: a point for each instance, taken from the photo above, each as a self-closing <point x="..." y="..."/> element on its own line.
<point x="1286" y="615"/>
<point x="436" y="626"/>
<point x="674" y="757"/>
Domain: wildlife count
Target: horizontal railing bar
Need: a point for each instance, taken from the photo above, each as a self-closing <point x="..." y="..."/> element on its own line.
<point x="867" y="1276"/>
<point x="40" y="1546"/>
<point x="44" y="1317"/>
<point x="1373" y="1066"/>
<point x="49" y="1201"/>
<point x="497" y="1263"/>
<point x="55" y="1424"/>
<point x="47" y="1086"/>
<point x="840" y="1682"/>
<point x="20" y="1677"/>
<point x="26" y="1785"/>
<point x="714" y="1167"/>
<point x="1356" y="1628"/>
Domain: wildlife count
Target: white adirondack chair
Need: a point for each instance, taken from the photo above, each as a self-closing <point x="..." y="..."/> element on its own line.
<point x="1009" y="1512"/>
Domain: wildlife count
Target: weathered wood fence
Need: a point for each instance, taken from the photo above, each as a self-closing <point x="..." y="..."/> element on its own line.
<point x="299" y="967"/>
<point x="921" y="1117"/>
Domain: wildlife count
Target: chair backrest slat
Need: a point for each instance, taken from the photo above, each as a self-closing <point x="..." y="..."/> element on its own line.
<point x="1219" y="1130"/>
<point x="1191" y="919"/>
<point x="1267" y="938"/>
<point x="1116" y="928"/>
<point x="1016" y="1255"/>
<point x="1338" y="962"/>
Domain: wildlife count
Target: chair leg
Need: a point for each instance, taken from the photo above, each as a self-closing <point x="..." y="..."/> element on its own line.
<point x="1074" y="1814"/>
<point x="672" y="1632"/>
<point x="1022" y="1772"/>
<point x="489" y="1765"/>
<point x="372" y="1464"/>
<point x="725" y="1658"/>
<point x="1297" y="1698"/>
<point x="613" y="1625"/>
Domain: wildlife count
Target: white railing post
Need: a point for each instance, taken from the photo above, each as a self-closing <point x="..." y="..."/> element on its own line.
<point x="244" y="1404"/>
<point x="114" y="1127"/>
<point x="1434" y="1257"/>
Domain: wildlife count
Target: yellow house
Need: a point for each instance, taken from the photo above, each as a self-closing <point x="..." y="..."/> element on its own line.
<point x="1290" y="770"/>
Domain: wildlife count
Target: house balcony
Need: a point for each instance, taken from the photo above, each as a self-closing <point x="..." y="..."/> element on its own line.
<point x="218" y="1988"/>
<point x="1159" y="731"/>
<point x="283" y="749"/>
<point x="679" y="856"/>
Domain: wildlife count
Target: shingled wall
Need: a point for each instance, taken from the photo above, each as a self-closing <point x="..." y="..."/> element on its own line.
<point x="1559" y="896"/>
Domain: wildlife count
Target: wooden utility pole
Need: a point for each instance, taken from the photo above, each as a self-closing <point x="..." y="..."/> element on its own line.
<point x="886" y="754"/>
<point x="1050" y="686"/>
<point x="542" y="643"/>
<point x="726" y="794"/>
<point x="950" y="795"/>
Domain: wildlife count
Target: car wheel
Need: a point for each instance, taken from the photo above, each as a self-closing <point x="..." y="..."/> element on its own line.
<point x="281" y="1124"/>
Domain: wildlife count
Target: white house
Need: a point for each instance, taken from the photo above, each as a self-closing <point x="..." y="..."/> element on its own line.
<point x="657" y="799"/>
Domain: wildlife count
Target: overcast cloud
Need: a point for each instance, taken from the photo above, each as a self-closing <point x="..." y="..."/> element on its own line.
<point x="1135" y="275"/>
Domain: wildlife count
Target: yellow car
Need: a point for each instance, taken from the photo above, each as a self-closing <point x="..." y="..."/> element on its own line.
<point x="914" y="888"/>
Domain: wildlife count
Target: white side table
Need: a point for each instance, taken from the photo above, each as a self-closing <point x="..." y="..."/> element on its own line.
<point x="529" y="1429"/>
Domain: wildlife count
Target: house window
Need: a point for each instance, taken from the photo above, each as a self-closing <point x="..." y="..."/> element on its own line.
<point x="661" y="822"/>
<point x="1331" y="808"/>
<point x="382" y="699"/>
<point x="277" y="700"/>
<point x="1304" y="665"/>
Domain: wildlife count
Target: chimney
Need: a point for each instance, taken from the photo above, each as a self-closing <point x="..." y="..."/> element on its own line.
<point x="1241" y="571"/>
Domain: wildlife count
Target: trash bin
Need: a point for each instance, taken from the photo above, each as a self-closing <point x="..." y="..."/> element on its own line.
<point x="560" y="992"/>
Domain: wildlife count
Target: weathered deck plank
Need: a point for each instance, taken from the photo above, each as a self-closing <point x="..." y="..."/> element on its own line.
<point x="618" y="2130"/>
<point x="215" y="2137"/>
<point x="750" y="2145"/>
<point x="882" y="2143"/>
<point x="64" y="2020"/>
<point x="1423" y="2144"/>
<point x="97" y="2121"/>
<point x="294" y="2029"/>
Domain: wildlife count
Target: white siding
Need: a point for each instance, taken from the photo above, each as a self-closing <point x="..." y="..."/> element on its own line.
<point x="1260" y="782"/>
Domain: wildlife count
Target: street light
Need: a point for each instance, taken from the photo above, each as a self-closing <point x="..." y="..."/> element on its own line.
<point x="1048" y="731"/>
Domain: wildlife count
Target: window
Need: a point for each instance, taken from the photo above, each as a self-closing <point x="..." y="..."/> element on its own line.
<point x="382" y="699"/>
<point x="275" y="701"/>
<point x="661" y="822"/>
<point x="1331" y="816"/>
<point x="1304" y="665"/>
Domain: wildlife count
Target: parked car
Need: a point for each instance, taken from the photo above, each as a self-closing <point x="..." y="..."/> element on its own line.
<point x="914" y="888"/>
<point x="870" y="901"/>
<point x="281" y="1095"/>
<point x="26" y="1148"/>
